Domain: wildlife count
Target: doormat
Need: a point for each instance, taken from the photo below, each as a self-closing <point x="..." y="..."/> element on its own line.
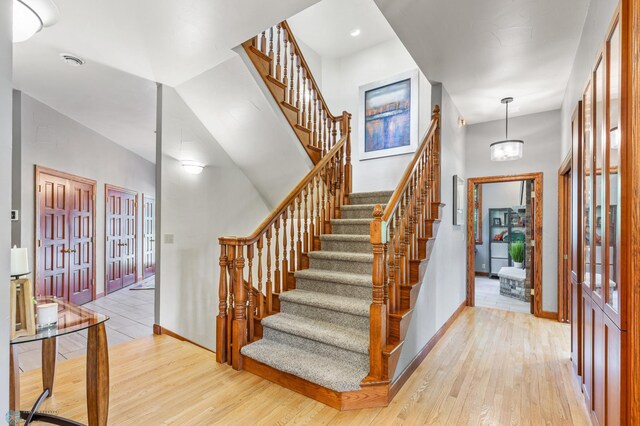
<point x="145" y="285"/>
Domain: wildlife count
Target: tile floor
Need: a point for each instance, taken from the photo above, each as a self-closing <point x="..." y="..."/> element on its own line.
<point x="488" y="296"/>
<point x="130" y="316"/>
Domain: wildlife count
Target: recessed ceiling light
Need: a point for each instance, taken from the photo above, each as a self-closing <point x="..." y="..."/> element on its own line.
<point x="355" y="32"/>
<point x="31" y="16"/>
<point x="71" y="60"/>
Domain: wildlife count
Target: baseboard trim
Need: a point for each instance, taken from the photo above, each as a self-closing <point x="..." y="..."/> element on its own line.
<point x="417" y="360"/>
<point x="482" y="274"/>
<point x="159" y="330"/>
<point x="99" y="295"/>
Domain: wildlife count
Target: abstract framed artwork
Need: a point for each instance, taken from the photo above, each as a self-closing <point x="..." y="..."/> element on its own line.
<point x="458" y="200"/>
<point x="388" y="112"/>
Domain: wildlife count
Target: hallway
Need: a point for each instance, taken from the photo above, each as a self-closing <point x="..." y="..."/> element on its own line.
<point x="491" y="367"/>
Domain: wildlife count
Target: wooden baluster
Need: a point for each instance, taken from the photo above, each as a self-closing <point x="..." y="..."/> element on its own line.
<point x="239" y="310"/>
<point x="318" y="218"/>
<point x="397" y="254"/>
<point x="292" y="82"/>
<point x="304" y="97"/>
<point x="278" y="53"/>
<point x="260" y="293"/>
<point x="321" y="131"/>
<point x="391" y="289"/>
<point x="231" y="272"/>
<point x="221" y="319"/>
<point x="323" y="211"/>
<point x="436" y="155"/>
<point x="293" y="259"/>
<point x="270" y="52"/>
<point x="263" y="42"/>
<point x="312" y="228"/>
<point x="299" y="243"/>
<point x="276" y="271"/>
<point x="310" y="109"/>
<point x="305" y="234"/>
<point x="269" y="284"/>
<point x="285" y="261"/>
<point x="346" y="124"/>
<point x="250" y="296"/>
<point x="378" y="310"/>
<point x="315" y="120"/>
<point x="298" y="89"/>
<point x="334" y="132"/>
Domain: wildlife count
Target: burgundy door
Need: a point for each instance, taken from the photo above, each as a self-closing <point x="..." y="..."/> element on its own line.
<point x="52" y="278"/>
<point x="65" y="244"/>
<point x="121" y="238"/>
<point x="149" y="227"/>
<point x="81" y="243"/>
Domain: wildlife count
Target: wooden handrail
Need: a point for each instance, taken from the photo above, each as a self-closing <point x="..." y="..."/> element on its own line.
<point x="399" y="237"/>
<point x="410" y="170"/>
<point x="279" y="61"/>
<point x="284" y="204"/>
<point x="306" y="66"/>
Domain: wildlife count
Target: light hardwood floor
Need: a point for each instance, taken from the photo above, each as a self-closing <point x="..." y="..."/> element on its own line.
<point x="492" y="367"/>
<point x="488" y="296"/>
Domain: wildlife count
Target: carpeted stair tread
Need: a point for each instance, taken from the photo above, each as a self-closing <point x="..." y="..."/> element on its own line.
<point x="337" y="255"/>
<point x="351" y="221"/>
<point x="331" y="302"/>
<point x="362" y="207"/>
<point x="372" y="194"/>
<point x="320" y="331"/>
<point x="326" y="372"/>
<point x="361" y="280"/>
<point x="346" y="237"/>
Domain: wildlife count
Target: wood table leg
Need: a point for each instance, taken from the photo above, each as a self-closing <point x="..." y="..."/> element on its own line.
<point x="14" y="380"/>
<point x="49" y="355"/>
<point x="97" y="376"/>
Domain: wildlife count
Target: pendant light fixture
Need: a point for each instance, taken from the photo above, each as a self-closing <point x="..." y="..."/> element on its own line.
<point x="507" y="149"/>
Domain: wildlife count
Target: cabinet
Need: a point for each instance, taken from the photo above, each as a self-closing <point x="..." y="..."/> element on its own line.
<point x="599" y="328"/>
<point x="505" y="225"/>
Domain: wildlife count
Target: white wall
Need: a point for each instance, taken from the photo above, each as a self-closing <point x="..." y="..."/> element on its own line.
<point x="195" y="211"/>
<point x="593" y="37"/>
<point x="541" y="134"/>
<point x="444" y="284"/>
<point x="341" y="79"/>
<point x="494" y="196"/>
<point x="5" y="193"/>
<point x="53" y="140"/>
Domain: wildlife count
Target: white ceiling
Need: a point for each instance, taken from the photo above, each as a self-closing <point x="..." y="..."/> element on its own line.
<point x="326" y="27"/>
<point x="128" y="45"/>
<point x="486" y="50"/>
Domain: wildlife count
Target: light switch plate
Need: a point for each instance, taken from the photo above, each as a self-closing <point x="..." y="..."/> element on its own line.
<point x="15" y="215"/>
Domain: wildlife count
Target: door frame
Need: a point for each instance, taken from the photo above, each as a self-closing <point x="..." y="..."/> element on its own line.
<point x="536" y="177"/>
<point x="146" y="197"/>
<point x="38" y="170"/>
<point x="565" y="203"/>
<point x="108" y="187"/>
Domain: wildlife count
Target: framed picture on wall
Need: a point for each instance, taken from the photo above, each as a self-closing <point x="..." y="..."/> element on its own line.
<point x="388" y="112"/>
<point x="458" y="200"/>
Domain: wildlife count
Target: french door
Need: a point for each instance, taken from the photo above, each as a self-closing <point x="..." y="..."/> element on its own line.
<point x="65" y="236"/>
<point x="121" y="237"/>
<point x="149" y="230"/>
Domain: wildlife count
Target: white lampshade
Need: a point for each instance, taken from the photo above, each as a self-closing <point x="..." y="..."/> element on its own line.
<point x="192" y="167"/>
<point x="31" y="16"/>
<point x="19" y="261"/>
<point x="507" y="150"/>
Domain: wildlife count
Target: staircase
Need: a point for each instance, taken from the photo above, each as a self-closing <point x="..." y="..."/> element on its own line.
<point x="320" y="296"/>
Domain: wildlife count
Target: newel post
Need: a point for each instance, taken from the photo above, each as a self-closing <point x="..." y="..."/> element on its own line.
<point x="346" y="130"/>
<point x="436" y="157"/>
<point x="378" y="310"/>
<point x="239" y="328"/>
<point x="221" y="319"/>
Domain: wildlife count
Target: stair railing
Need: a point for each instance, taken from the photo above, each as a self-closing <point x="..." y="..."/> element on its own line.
<point x="255" y="269"/>
<point x="278" y="59"/>
<point x="398" y="238"/>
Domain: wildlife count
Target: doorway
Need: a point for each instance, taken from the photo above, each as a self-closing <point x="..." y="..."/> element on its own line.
<point x="564" y="239"/>
<point x="65" y="236"/>
<point x="507" y="239"/>
<point x="149" y="237"/>
<point x="121" y="221"/>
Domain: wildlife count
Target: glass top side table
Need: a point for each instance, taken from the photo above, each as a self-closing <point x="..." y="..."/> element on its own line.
<point x="71" y="319"/>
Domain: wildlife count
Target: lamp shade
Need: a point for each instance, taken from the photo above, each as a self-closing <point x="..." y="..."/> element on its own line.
<point x="31" y="16"/>
<point x="192" y="167"/>
<point x="507" y="150"/>
<point x="19" y="261"/>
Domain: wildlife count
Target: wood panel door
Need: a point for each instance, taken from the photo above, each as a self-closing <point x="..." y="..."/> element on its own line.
<point x="149" y="230"/>
<point x="121" y="237"/>
<point x="65" y="236"/>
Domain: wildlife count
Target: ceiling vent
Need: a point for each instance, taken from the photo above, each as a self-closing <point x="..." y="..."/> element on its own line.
<point x="72" y="60"/>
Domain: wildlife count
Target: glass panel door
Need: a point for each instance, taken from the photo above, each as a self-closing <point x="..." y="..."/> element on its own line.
<point x="587" y="185"/>
<point x="598" y="281"/>
<point x="613" y="159"/>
